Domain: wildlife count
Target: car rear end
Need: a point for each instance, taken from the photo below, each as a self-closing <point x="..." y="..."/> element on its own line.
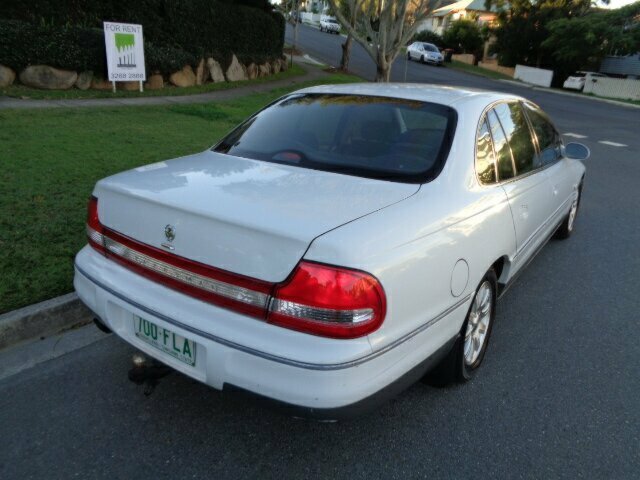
<point x="575" y="81"/>
<point x="200" y="262"/>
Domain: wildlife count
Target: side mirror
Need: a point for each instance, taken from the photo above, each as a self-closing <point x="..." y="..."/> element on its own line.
<point x="576" y="151"/>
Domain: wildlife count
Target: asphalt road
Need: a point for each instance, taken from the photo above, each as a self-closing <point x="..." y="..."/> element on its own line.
<point x="557" y="397"/>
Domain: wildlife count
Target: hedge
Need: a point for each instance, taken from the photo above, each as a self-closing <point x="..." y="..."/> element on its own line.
<point x="68" y="33"/>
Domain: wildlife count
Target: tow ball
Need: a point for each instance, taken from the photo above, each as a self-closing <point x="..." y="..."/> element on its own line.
<point x="147" y="372"/>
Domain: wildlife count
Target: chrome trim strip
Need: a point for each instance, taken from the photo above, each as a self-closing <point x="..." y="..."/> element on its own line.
<point x="268" y="356"/>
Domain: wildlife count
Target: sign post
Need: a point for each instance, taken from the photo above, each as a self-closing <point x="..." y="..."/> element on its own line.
<point x="125" y="53"/>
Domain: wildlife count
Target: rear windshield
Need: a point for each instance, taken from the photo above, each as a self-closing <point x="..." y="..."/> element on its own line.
<point x="375" y="137"/>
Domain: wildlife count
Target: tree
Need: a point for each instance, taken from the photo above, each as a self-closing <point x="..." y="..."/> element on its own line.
<point x="387" y="24"/>
<point x="522" y="27"/>
<point x="464" y="36"/>
<point x="430" y="37"/>
<point x="582" y="42"/>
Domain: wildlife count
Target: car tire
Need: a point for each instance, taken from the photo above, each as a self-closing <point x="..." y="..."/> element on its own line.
<point x="321" y="29"/>
<point x="566" y="227"/>
<point x="467" y="354"/>
<point x="422" y="59"/>
<point x="408" y="56"/>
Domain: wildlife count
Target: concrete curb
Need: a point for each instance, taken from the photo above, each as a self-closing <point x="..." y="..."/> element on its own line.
<point x="43" y="319"/>
<point x="570" y="94"/>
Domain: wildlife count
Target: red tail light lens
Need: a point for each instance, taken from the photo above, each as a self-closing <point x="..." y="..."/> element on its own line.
<point x="95" y="230"/>
<point x="329" y="301"/>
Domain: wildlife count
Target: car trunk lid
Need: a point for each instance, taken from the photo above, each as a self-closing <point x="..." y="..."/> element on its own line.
<point x="244" y="216"/>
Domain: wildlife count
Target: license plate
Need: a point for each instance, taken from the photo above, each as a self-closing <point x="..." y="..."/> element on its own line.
<point x="165" y="340"/>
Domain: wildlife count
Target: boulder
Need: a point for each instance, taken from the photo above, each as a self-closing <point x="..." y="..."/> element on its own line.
<point x="83" y="82"/>
<point x="48" y="78"/>
<point x="184" y="77"/>
<point x="154" y="82"/>
<point x="215" y="70"/>
<point x="7" y="76"/>
<point x="202" y="72"/>
<point x="236" y="71"/>
<point x="275" y="66"/>
<point x="100" y="84"/>
<point x="252" y="71"/>
<point x="264" y="69"/>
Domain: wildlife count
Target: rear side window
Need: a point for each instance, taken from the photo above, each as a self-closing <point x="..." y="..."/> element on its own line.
<point x="485" y="158"/>
<point x="506" y="168"/>
<point x="515" y="126"/>
<point x="549" y="140"/>
<point x="368" y="136"/>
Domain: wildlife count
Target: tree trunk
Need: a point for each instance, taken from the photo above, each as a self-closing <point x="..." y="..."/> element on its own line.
<point x="383" y="73"/>
<point x="383" y="69"/>
<point x="346" y="53"/>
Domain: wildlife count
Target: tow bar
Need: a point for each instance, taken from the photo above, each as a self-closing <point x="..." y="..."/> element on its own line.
<point x="147" y="372"/>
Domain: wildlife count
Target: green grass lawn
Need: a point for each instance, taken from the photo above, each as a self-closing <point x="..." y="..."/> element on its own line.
<point x="21" y="91"/>
<point x="465" y="67"/>
<point x="51" y="159"/>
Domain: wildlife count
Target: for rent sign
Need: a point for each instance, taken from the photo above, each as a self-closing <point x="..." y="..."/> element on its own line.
<point x="125" y="52"/>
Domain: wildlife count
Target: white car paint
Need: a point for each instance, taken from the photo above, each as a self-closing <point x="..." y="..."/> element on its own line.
<point x="578" y="80"/>
<point x="425" y="53"/>
<point x="329" y="25"/>
<point x="428" y="245"/>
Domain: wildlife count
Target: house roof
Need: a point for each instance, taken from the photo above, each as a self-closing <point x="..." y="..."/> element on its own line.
<point x="477" y="5"/>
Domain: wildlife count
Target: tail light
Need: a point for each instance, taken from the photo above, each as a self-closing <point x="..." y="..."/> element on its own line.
<point x="317" y="299"/>
<point x="329" y="301"/>
<point x="95" y="230"/>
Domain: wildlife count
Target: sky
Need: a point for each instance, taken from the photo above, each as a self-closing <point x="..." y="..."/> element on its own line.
<point x="619" y="3"/>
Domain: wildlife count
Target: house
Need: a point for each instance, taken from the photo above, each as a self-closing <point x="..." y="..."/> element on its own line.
<point x="440" y="19"/>
<point x="627" y="66"/>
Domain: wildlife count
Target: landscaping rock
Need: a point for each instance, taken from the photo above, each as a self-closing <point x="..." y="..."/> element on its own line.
<point x="7" y="76"/>
<point x="236" y="71"/>
<point x="215" y="70"/>
<point x="184" y="77"/>
<point x="284" y="64"/>
<point x="154" y="82"/>
<point x="275" y="66"/>
<point x="264" y="69"/>
<point x="83" y="81"/>
<point x="48" y="78"/>
<point x="100" y="84"/>
<point x="202" y="73"/>
<point x="252" y="71"/>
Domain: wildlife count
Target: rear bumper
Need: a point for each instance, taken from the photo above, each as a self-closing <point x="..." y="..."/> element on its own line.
<point x="320" y="377"/>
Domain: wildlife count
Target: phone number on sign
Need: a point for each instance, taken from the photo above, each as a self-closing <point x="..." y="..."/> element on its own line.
<point x="126" y="76"/>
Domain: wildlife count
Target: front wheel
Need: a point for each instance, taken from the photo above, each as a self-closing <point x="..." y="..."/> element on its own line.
<point x="408" y="56"/>
<point x="468" y="352"/>
<point x="422" y="59"/>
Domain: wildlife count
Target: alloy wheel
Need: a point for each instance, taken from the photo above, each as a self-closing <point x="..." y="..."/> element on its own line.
<point x="478" y="324"/>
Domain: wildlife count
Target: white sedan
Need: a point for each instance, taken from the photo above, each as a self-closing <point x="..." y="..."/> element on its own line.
<point x="336" y="246"/>
<point x="425" y="53"/>
<point x="329" y="25"/>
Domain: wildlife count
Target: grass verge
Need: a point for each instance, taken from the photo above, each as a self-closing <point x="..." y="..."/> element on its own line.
<point x="55" y="156"/>
<point x="21" y="91"/>
<point x="465" y="67"/>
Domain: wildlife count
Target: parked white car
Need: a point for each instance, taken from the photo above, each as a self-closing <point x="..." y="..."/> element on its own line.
<point x="425" y="53"/>
<point x="329" y="25"/>
<point x="336" y="246"/>
<point x="578" y="79"/>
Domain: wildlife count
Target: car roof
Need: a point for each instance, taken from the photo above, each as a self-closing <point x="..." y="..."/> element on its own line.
<point x="415" y="91"/>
